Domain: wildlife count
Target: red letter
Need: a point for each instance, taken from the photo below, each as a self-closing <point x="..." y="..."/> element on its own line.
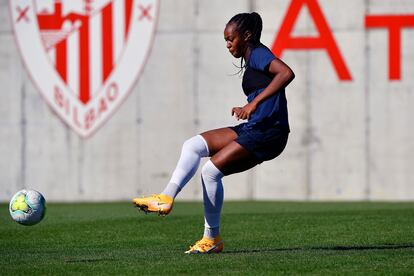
<point x="75" y="117"/>
<point x="59" y="97"/>
<point x="89" y="118"/>
<point x="102" y="106"/>
<point x="112" y="92"/>
<point x="325" y="40"/>
<point x="60" y="100"/>
<point x="394" y="24"/>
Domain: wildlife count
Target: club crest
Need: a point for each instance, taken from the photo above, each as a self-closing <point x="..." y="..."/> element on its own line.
<point x="84" y="55"/>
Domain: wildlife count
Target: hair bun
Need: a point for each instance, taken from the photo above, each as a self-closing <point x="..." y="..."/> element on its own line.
<point x="256" y="16"/>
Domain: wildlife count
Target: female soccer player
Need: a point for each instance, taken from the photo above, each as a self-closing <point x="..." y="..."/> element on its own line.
<point x="234" y="149"/>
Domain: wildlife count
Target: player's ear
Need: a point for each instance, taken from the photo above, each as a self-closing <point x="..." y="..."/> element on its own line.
<point x="247" y="35"/>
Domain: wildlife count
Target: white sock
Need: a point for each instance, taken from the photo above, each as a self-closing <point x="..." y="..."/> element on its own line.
<point x="213" y="195"/>
<point x="192" y="151"/>
<point x="171" y="190"/>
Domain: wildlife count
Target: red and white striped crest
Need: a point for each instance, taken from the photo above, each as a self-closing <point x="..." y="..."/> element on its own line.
<point x="84" y="55"/>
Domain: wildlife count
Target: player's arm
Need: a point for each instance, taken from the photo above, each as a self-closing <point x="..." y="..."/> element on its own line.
<point x="283" y="75"/>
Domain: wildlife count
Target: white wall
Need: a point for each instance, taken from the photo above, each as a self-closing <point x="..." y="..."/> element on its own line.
<point x="350" y="140"/>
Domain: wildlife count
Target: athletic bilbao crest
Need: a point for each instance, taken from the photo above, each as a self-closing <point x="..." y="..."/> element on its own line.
<point x="84" y="55"/>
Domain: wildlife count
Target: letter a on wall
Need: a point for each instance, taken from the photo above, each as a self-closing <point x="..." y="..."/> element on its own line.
<point x="325" y="40"/>
<point x="84" y="55"/>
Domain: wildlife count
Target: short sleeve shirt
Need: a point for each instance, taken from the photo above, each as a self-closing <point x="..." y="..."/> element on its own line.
<point x="273" y="111"/>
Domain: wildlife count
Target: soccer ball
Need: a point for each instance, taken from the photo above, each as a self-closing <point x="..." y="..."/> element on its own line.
<point x="27" y="207"/>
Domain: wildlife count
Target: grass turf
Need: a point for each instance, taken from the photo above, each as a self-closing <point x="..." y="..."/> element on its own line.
<point x="260" y="238"/>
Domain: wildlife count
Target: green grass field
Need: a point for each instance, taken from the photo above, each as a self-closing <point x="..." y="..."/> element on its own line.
<point x="260" y="238"/>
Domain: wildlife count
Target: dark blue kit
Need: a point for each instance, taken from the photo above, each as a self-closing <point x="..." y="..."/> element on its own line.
<point x="266" y="133"/>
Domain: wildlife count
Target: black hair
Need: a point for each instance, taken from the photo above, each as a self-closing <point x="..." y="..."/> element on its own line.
<point x="251" y="22"/>
<point x="248" y="22"/>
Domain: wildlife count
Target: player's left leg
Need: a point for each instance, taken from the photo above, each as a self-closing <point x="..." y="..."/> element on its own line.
<point x="231" y="159"/>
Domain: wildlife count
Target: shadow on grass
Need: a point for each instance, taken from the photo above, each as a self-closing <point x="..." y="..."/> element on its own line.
<point x="88" y="260"/>
<point x="324" y="248"/>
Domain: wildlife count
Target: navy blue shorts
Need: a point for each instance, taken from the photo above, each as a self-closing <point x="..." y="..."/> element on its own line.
<point x="265" y="144"/>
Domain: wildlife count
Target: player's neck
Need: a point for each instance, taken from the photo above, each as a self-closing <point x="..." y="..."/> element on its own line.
<point x="247" y="52"/>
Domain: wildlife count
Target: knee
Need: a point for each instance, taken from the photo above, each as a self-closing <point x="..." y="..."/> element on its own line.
<point x="209" y="170"/>
<point x="188" y="145"/>
<point x="197" y="145"/>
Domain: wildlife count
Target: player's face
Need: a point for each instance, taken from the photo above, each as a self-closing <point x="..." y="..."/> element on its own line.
<point x="234" y="42"/>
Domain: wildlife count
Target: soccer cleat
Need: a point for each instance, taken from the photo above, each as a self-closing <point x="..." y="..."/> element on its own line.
<point x="207" y="246"/>
<point x="161" y="204"/>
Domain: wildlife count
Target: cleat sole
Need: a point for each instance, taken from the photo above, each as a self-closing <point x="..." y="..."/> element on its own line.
<point x="147" y="210"/>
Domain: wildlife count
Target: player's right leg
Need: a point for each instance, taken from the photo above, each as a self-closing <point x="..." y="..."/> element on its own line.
<point x="192" y="151"/>
<point x="156" y="203"/>
<point x="219" y="138"/>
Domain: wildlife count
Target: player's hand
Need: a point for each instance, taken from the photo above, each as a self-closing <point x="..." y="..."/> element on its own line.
<point x="243" y="113"/>
<point x="236" y="111"/>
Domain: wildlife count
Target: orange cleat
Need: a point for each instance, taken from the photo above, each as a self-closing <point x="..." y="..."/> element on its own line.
<point x="207" y="246"/>
<point x="161" y="204"/>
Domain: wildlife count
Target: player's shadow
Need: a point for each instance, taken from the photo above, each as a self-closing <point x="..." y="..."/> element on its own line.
<point x="89" y="260"/>
<point x="324" y="248"/>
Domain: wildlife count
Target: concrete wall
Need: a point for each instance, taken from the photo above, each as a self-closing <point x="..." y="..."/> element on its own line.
<point x="350" y="140"/>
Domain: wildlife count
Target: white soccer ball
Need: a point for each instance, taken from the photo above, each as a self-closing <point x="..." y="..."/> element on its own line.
<point x="27" y="207"/>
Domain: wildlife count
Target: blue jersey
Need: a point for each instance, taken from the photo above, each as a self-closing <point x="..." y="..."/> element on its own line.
<point x="272" y="111"/>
